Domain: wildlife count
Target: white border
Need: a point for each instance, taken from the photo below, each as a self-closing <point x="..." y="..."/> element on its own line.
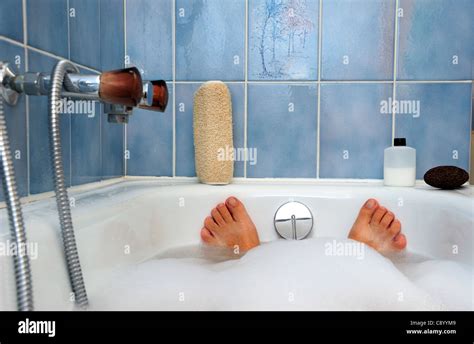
<point x="301" y="82"/>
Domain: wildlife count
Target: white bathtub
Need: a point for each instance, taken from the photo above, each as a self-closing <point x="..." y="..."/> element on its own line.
<point x="133" y="220"/>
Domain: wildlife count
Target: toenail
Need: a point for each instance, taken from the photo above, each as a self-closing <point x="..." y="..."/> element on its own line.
<point x="232" y="201"/>
<point x="370" y="204"/>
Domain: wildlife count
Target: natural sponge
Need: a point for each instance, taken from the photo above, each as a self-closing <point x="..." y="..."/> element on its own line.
<point x="446" y="177"/>
<point x="213" y="133"/>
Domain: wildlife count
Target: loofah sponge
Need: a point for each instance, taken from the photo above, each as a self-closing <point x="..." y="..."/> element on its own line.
<point x="446" y="177"/>
<point x="213" y="133"/>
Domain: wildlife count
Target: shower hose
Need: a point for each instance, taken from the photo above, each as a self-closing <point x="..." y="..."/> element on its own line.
<point x="58" y="78"/>
<point x="21" y="261"/>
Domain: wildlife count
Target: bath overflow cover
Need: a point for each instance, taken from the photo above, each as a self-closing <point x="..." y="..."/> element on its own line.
<point x="293" y="221"/>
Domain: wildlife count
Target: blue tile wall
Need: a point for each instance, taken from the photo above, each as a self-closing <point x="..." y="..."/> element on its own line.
<point x="283" y="40"/>
<point x="112" y="42"/>
<point x="439" y="131"/>
<point x="90" y="33"/>
<point x="149" y="37"/>
<point x="358" y="40"/>
<point x="11" y="19"/>
<point x="282" y="125"/>
<point x="354" y="130"/>
<point x="84" y="24"/>
<point x="16" y="121"/>
<point x="436" y="40"/>
<point x="48" y="25"/>
<point x="86" y="145"/>
<point x="112" y="148"/>
<point x="112" y="56"/>
<point x="289" y="50"/>
<point x="40" y="163"/>
<point x="472" y="108"/>
<point x="184" y="130"/>
<point x="150" y="142"/>
<point x="184" y="127"/>
<point x="210" y="39"/>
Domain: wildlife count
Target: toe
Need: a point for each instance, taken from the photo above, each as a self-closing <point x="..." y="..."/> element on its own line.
<point x="207" y="236"/>
<point x="387" y="220"/>
<point x="400" y="241"/>
<point x="225" y="213"/>
<point x="217" y="217"/>
<point x="395" y="228"/>
<point x="367" y="210"/>
<point x="237" y="209"/>
<point x="210" y="224"/>
<point x="378" y="215"/>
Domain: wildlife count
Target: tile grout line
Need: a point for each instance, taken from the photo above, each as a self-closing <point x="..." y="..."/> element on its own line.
<point x="57" y="57"/>
<point x="12" y="41"/>
<point x="68" y="31"/>
<point x="433" y="81"/>
<point x="246" y="38"/>
<point x="48" y="54"/>
<point x="173" y="29"/>
<point x="318" y="115"/>
<point x="203" y="81"/>
<point x="395" y="66"/>
<point x="125" y="132"/>
<point x="315" y="82"/>
<point x="101" y="149"/>
<point x="27" y="98"/>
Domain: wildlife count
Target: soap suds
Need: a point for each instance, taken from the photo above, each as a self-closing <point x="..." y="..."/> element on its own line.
<point x="285" y="275"/>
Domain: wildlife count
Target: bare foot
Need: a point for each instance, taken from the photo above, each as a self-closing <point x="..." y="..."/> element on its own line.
<point x="230" y="226"/>
<point x="378" y="228"/>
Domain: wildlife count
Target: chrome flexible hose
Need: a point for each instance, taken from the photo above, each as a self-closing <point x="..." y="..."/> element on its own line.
<point x="62" y="199"/>
<point x="69" y="86"/>
<point x="21" y="261"/>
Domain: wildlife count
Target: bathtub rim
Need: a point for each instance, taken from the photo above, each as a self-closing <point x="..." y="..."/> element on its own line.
<point x="467" y="189"/>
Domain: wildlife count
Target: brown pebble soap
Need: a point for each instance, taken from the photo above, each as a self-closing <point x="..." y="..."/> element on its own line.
<point x="446" y="177"/>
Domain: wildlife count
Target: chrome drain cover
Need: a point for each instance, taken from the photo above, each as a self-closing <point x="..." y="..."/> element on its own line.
<point x="293" y="221"/>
